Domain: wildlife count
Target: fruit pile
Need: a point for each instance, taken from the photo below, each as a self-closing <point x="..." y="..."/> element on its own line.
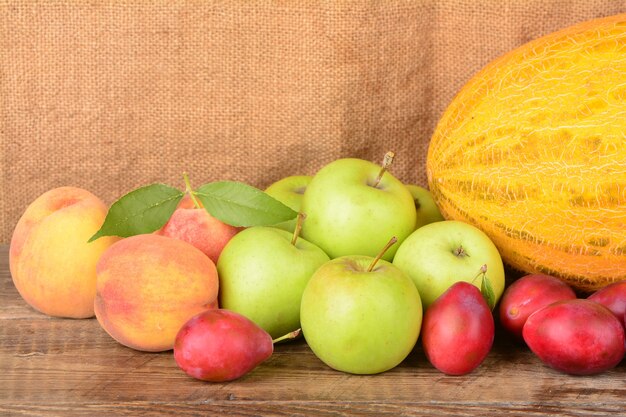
<point x="358" y="262"/>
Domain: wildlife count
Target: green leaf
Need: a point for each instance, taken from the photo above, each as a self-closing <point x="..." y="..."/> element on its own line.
<point x="143" y="210"/>
<point x="487" y="290"/>
<point x="239" y="204"/>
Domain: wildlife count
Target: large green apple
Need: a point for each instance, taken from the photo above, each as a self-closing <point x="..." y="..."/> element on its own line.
<point x="439" y="254"/>
<point x="360" y="321"/>
<point x="425" y="206"/>
<point x="347" y="214"/>
<point x="289" y="191"/>
<point x="263" y="274"/>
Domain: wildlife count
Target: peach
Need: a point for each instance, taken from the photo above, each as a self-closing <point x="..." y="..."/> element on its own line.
<point x="52" y="265"/>
<point x="187" y="202"/>
<point x="197" y="227"/>
<point x="148" y="286"/>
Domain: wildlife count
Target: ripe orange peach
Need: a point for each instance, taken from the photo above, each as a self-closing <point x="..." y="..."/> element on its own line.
<point x="148" y="286"/>
<point x="52" y="265"/>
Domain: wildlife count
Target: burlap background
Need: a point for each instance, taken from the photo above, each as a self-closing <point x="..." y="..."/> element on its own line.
<point x="112" y="95"/>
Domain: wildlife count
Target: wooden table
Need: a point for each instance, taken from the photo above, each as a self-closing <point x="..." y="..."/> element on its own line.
<point x="64" y="367"/>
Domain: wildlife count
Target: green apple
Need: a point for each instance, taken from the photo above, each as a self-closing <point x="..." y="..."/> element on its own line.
<point x="262" y="274"/>
<point x="289" y="191"/>
<point x="349" y="213"/>
<point x="425" y="206"/>
<point x="360" y="321"/>
<point x="439" y="254"/>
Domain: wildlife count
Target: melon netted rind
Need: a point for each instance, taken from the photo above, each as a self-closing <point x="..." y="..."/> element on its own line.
<point x="532" y="150"/>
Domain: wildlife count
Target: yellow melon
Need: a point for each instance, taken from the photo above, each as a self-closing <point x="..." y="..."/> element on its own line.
<point x="532" y="150"/>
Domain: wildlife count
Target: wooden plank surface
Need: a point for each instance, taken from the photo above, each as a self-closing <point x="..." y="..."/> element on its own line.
<point x="64" y="367"/>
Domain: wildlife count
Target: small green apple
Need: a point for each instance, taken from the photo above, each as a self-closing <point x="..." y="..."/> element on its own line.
<point x="439" y="254"/>
<point x="425" y="206"/>
<point x="289" y="191"/>
<point x="263" y="272"/>
<point x="360" y="315"/>
<point x="352" y="210"/>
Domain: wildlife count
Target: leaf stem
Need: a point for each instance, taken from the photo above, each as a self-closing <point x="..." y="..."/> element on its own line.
<point x="296" y="231"/>
<point x="387" y="161"/>
<point x="189" y="190"/>
<point x="288" y="336"/>
<point x="381" y="253"/>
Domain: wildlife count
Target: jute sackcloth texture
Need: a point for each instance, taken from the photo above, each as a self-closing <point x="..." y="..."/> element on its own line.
<point x="112" y="95"/>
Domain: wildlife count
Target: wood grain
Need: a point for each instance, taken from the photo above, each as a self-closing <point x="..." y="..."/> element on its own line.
<point x="53" y="367"/>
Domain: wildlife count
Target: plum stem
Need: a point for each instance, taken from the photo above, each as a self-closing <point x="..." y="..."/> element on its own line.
<point x="296" y="230"/>
<point x="387" y="161"/>
<point x="486" y="290"/>
<point x="381" y="253"/>
<point x="288" y="336"/>
<point x="482" y="272"/>
<point x="189" y="190"/>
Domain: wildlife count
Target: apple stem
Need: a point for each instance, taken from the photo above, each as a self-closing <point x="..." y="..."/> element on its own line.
<point x="288" y="336"/>
<point x="387" y="160"/>
<point x="189" y="190"/>
<point x="296" y="231"/>
<point x="381" y="253"/>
